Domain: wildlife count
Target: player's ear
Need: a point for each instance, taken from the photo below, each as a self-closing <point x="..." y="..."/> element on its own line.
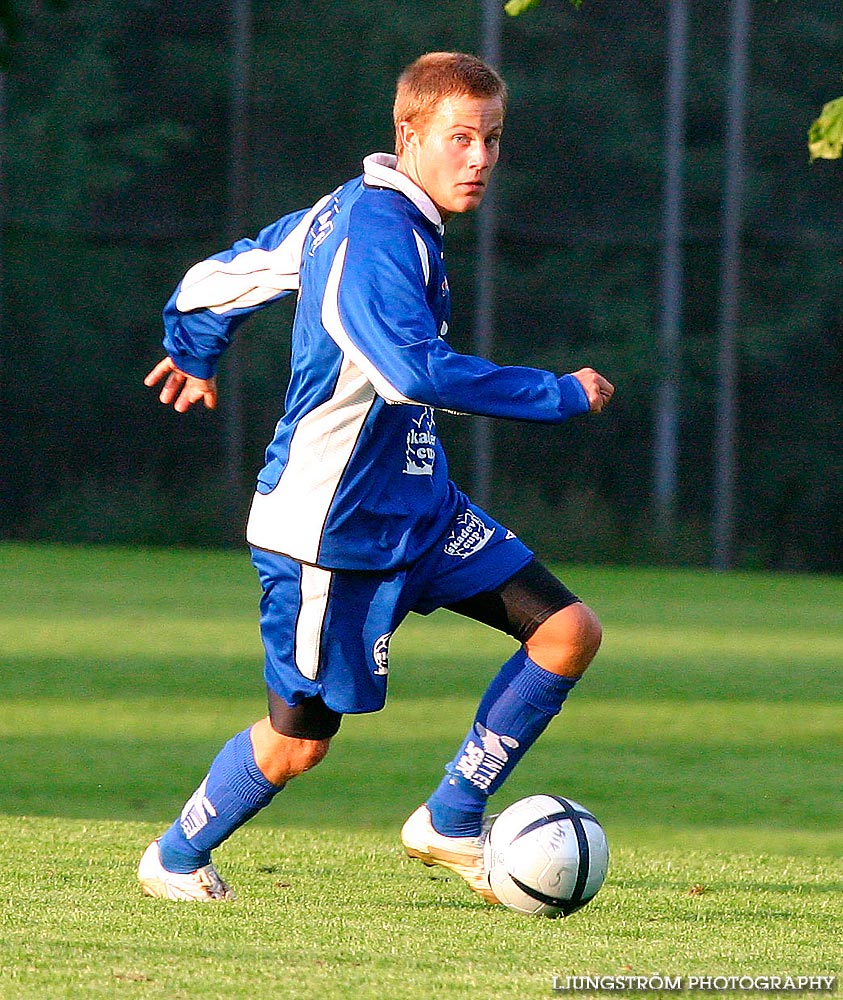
<point x="407" y="135"/>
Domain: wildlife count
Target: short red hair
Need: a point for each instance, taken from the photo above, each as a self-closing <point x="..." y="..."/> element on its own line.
<point x="437" y="75"/>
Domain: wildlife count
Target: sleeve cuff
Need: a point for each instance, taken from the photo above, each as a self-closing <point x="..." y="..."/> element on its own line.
<point x="197" y="367"/>
<point x="574" y="399"/>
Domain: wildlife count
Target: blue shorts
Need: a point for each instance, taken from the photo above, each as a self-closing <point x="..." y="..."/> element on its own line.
<point x="327" y="632"/>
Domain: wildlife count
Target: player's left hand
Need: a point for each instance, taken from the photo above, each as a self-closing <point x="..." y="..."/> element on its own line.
<point x="598" y="389"/>
<point x="181" y="389"/>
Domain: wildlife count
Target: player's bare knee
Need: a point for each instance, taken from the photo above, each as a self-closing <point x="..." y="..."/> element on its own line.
<point x="568" y="641"/>
<point x="309" y="753"/>
<point x="281" y="757"/>
<point x="591" y="631"/>
<point x="293" y="757"/>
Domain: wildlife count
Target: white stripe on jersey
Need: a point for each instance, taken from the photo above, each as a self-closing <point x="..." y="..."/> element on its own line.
<point x="421" y="246"/>
<point x="292" y="517"/>
<point x="332" y="321"/>
<point x="314" y="588"/>
<point x="251" y="277"/>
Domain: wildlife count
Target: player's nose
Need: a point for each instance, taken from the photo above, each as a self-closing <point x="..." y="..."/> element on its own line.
<point x="480" y="158"/>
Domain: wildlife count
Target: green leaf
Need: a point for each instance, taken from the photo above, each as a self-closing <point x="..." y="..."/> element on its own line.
<point x="825" y="136"/>
<point x="516" y="7"/>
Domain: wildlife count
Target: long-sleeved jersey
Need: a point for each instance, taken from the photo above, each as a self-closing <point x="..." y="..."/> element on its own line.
<point x="355" y="475"/>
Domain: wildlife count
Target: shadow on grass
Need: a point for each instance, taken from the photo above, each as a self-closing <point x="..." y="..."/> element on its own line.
<point x="463" y="670"/>
<point x="372" y="780"/>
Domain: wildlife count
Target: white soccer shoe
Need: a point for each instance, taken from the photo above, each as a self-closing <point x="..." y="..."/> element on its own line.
<point x="204" y="885"/>
<point x="462" y="855"/>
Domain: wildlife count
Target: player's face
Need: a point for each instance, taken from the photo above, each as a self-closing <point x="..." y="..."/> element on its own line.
<point x="451" y="155"/>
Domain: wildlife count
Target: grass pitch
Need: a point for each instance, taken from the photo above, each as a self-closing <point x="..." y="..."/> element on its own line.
<point x="707" y="738"/>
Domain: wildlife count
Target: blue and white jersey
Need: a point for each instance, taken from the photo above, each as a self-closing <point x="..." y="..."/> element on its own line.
<point x="355" y="475"/>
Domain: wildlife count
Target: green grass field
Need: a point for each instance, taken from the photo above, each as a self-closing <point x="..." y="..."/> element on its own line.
<point x="707" y="737"/>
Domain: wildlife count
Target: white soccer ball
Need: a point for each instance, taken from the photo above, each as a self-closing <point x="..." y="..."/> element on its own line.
<point x="546" y="856"/>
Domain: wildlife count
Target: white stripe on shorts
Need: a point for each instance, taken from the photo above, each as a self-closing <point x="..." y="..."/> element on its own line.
<point x="314" y="588"/>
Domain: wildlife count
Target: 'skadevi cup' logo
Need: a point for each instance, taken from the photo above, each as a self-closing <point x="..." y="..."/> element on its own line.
<point x="380" y="654"/>
<point x="421" y="445"/>
<point x="470" y="534"/>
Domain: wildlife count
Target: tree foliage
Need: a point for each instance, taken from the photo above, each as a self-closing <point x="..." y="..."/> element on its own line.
<point x="116" y="182"/>
<point x="825" y="136"/>
<point x="11" y="28"/>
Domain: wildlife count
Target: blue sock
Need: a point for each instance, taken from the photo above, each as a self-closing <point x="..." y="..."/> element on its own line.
<point x="514" y="712"/>
<point x="233" y="791"/>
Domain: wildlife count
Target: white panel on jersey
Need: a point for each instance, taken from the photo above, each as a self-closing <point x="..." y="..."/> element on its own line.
<point x="424" y="256"/>
<point x="332" y="321"/>
<point x="292" y="517"/>
<point x="250" y="278"/>
<point x="315" y="587"/>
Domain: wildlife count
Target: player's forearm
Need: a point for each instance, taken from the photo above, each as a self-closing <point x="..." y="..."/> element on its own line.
<point x="434" y="375"/>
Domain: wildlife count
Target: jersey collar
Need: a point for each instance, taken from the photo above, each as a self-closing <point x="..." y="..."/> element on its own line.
<point x="379" y="171"/>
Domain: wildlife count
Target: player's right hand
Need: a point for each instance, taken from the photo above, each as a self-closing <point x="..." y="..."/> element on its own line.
<point x="181" y="389"/>
<point x="598" y="389"/>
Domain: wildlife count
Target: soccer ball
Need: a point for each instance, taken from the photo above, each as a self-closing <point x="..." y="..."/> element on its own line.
<point x="546" y="856"/>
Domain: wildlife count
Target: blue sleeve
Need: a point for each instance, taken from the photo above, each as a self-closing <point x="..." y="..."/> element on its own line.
<point x="384" y="309"/>
<point x="223" y="291"/>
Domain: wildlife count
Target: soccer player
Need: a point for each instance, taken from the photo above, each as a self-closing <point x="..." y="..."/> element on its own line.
<point x="355" y="522"/>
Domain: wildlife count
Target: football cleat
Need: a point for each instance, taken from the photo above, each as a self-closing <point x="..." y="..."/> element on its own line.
<point x="203" y="885"/>
<point x="461" y="855"/>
